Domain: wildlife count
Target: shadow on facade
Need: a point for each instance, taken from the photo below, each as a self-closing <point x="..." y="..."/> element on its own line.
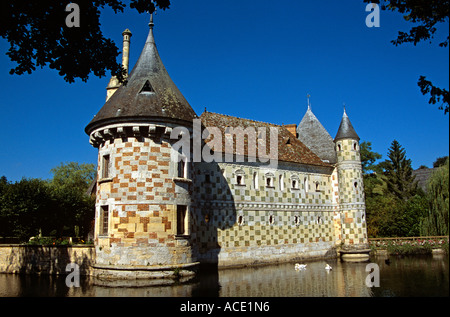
<point x="214" y="212"/>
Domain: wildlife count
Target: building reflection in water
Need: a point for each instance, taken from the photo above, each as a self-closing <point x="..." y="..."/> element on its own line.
<point x="414" y="276"/>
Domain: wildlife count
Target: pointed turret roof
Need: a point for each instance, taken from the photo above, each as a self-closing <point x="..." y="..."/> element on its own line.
<point x="346" y="130"/>
<point x="149" y="94"/>
<point x="312" y="133"/>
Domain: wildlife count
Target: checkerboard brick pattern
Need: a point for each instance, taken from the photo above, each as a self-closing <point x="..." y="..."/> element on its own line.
<point x="351" y="194"/>
<point x="140" y="193"/>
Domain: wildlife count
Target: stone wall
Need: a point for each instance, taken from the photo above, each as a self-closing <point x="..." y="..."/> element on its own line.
<point x="33" y="259"/>
<point x="140" y="190"/>
<point x="242" y="218"/>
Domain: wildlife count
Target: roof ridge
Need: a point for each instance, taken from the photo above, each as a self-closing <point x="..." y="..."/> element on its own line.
<point x="226" y="115"/>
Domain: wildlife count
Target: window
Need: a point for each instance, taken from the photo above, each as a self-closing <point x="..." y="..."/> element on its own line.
<point x="281" y="182"/>
<point x="104" y="220"/>
<point x="147" y="88"/>
<point x="181" y="220"/>
<point x="269" y="180"/>
<point x="271" y="220"/>
<point x="317" y="186"/>
<point x="339" y="147"/>
<point x="105" y="166"/>
<point x="182" y="168"/>
<point x="306" y="185"/>
<point x="240" y="220"/>
<point x="255" y="180"/>
<point x="295" y="184"/>
<point x="319" y="220"/>
<point x="355" y="185"/>
<point x="355" y="146"/>
<point x="296" y="220"/>
<point x="240" y="178"/>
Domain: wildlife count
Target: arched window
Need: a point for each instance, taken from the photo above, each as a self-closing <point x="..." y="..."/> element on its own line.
<point x="294" y="182"/>
<point x="240" y="177"/>
<point x="269" y="179"/>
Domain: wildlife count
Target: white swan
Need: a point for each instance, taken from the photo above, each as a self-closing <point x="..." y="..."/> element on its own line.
<point x="300" y="266"/>
<point x="328" y="268"/>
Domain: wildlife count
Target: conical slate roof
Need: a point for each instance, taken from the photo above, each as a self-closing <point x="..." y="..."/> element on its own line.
<point x="149" y="94"/>
<point x="346" y="130"/>
<point x="312" y="133"/>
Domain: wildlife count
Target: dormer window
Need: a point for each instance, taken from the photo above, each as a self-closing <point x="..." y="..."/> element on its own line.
<point x="147" y="88"/>
<point x="269" y="180"/>
<point x="240" y="181"/>
<point x="294" y="182"/>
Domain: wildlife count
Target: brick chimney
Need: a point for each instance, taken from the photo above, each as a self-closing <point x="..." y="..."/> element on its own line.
<point x="291" y="128"/>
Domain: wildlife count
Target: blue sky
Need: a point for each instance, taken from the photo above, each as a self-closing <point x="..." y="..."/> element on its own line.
<point x="255" y="59"/>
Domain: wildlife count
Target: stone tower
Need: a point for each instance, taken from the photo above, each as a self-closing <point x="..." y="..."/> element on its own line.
<point x="351" y="194"/>
<point x="142" y="219"/>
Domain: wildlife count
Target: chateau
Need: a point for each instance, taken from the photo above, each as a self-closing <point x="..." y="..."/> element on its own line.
<point x="156" y="215"/>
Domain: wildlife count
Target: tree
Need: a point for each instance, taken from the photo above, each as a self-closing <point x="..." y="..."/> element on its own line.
<point x="73" y="175"/>
<point x="398" y="173"/>
<point x="428" y="15"/>
<point x="74" y="207"/>
<point x="368" y="157"/>
<point x="24" y="209"/>
<point x="38" y="36"/>
<point x="440" y="161"/>
<point x="57" y="207"/>
<point x="437" y="220"/>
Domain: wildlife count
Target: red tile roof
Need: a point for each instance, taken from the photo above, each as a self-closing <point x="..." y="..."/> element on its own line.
<point x="290" y="149"/>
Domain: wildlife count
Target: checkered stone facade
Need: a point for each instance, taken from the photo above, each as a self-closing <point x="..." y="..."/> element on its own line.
<point x="247" y="220"/>
<point x="139" y="194"/>
<point x="351" y="195"/>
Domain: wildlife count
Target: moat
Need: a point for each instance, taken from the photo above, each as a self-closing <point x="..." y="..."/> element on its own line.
<point x="424" y="276"/>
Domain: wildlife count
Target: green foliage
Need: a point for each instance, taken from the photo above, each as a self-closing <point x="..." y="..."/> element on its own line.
<point x="398" y="173"/>
<point x="58" y="207"/>
<point x="410" y="247"/>
<point x="395" y="207"/>
<point x="440" y="161"/>
<point x="436" y="222"/>
<point x="368" y="157"/>
<point x="38" y="37"/>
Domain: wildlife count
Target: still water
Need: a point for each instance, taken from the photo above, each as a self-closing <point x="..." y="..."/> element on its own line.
<point x="402" y="277"/>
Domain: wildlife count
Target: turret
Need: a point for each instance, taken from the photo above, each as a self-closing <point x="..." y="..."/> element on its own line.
<point x="142" y="221"/>
<point x="351" y="193"/>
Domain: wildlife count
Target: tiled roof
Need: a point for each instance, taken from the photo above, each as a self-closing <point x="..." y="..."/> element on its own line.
<point x="149" y="94"/>
<point x="312" y="133"/>
<point x="346" y="130"/>
<point x="290" y="149"/>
